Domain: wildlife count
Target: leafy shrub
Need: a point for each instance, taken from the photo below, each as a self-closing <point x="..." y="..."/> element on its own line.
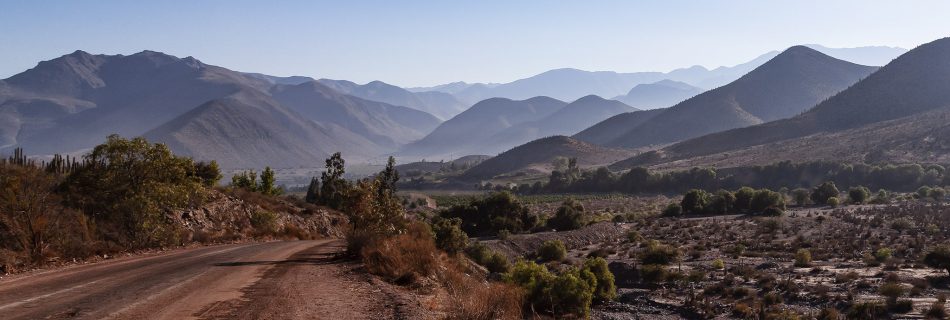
<point x="823" y="192"/>
<point x="448" y="236"/>
<point x="800" y="196"/>
<point x="634" y="236"/>
<point x="479" y="253"/>
<point x="859" y="194"/>
<point x="882" y="197"/>
<point x="672" y="210"/>
<point x="497" y="263"/>
<point x="374" y="214"/>
<point x="833" y="202"/>
<point x="765" y="198"/>
<point x="938" y="193"/>
<point x="722" y="202"/>
<point x="568" y="293"/>
<point x="802" y="258"/>
<point x="605" y="288"/>
<point x="489" y="215"/>
<point x="772" y="212"/>
<point x="882" y="254"/>
<point x="659" y="254"/>
<point x="653" y="273"/>
<point x="264" y="221"/>
<point x="694" y="201"/>
<point x="718" y="264"/>
<point x="569" y="216"/>
<point x="552" y="250"/>
<point x="572" y="292"/>
<point x="744" y="198"/>
<point x="923" y="192"/>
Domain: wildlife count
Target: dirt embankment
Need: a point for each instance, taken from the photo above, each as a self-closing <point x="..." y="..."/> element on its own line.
<point x="243" y="214"/>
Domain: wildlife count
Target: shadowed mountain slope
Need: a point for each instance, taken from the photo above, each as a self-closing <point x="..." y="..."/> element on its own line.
<point x="914" y="83"/>
<point x="466" y="133"/>
<point x="538" y="155"/>
<point x="787" y="85"/>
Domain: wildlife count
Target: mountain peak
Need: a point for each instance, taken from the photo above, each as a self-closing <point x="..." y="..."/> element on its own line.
<point x="590" y="99"/>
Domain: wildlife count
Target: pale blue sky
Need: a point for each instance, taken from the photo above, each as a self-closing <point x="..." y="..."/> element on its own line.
<point x="414" y="43"/>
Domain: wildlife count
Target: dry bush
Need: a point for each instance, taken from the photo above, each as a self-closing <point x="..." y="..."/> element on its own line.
<point x="403" y="258"/>
<point x="470" y="299"/>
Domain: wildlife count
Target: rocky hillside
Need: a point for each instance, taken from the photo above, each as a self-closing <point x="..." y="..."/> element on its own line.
<point x="240" y="214"/>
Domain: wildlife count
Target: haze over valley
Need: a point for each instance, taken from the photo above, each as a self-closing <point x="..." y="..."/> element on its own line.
<point x="487" y="160"/>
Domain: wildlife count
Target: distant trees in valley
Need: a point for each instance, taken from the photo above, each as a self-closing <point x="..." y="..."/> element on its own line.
<point x="905" y="177"/>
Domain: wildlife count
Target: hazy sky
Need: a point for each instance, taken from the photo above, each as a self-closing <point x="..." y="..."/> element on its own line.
<point x="413" y="43"/>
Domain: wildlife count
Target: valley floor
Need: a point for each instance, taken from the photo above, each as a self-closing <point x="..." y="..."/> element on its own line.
<point x="271" y="280"/>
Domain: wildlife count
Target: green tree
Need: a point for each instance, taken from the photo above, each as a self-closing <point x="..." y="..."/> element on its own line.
<point x="373" y="215"/>
<point x="572" y="292"/>
<point x="209" y="173"/>
<point x="765" y="198"/>
<point x="489" y="215"/>
<point x="659" y="254"/>
<point x="822" y="192"/>
<point x="801" y="196"/>
<point x="672" y="210"/>
<point x="389" y="177"/>
<point x="129" y="185"/>
<point x="722" y="202"/>
<point x="569" y="216"/>
<point x="29" y="208"/>
<point x="552" y="250"/>
<point x="859" y="194"/>
<point x="246" y="180"/>
<point x="333" y="188"/>
<point x="268" y="182"/>
<point x="313" y="191"/>
<point x="694" y="201"/>
<point x="448" y="236"/>
<point x="744" y="198"/>
<point x="606" y="288"/>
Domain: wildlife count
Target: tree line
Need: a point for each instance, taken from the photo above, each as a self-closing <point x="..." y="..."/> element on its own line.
<point x="903" y="177"/>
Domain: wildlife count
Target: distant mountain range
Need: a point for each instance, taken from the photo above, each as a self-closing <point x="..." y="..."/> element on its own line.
<point x="571" y="84"/>
<point x="786" y="85"/>
<point x="498" y="124"/>
<point x="467" y="132"/>
<point x="660" y="94"/>
<point x="249" y="120"/>
<point x="897" y="114"/>
<point x="439" y="104"/>
<point x="72" y="103"/>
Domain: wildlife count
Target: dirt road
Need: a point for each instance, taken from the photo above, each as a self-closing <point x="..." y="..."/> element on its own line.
<point x="273" y="280"/>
